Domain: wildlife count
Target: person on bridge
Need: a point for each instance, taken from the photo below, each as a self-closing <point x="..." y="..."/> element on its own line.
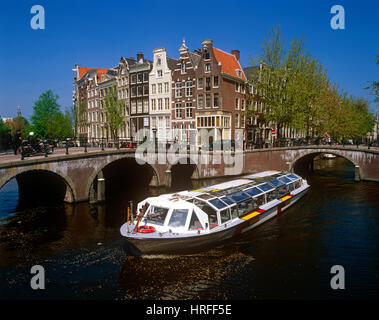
<point x="17" y="140"/>
<point x="8" y="140"/>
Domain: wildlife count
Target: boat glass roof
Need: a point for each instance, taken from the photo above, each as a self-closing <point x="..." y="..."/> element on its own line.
<point x="265" y="187"/>
<point x="276" y="183"/>
<point x="253" y="191"/>
<point x="284" y="179"/>
<point x="218" y="203"/>
<point x="238" y="196"/>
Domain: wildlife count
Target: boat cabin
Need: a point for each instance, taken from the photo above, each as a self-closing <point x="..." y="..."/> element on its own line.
<point x="218" y="205"/>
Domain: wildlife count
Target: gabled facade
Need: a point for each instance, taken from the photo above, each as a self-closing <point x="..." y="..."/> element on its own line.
<point x="220" y="93"/>
<point x="123" y="91"/>
<point x="160" y="79"/>
<point x="139" y="98"/>
<point x="86" y="100"/>
<point x="184" y="94"/>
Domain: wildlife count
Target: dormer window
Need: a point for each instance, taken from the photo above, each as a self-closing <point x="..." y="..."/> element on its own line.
<point x="183" y="67"/>
<point x="207" y="67"/>
<point x="159" y="61"/>
<point x="159" y="73"/>
<point x="239" y="73"/>
<point x="206" y="55"/>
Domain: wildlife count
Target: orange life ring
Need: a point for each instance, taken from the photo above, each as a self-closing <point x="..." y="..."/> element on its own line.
<point x="145" y="229"/>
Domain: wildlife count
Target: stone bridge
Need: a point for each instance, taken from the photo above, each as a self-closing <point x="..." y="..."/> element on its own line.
<point x="83" y="176"/>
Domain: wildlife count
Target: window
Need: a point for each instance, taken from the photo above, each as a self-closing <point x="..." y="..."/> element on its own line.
<point x="207" y="84"/>
<point x="178" y="218"/>
<point x="200" y="83"/>
<point x="215" y="100"/>
<point x="189" y="89"/>
<point x="160" y="104"/>
<point x="145" y="89"/>
<point x="145" y="76"/>
<point x="200" y="101"/>
<point x="234" y="212"/>
<point x="139" y="91"/>
<point x="242" y="121"/>
<point x="215" y="82"/>
<point x="159" y="61"/>
<point x="166" y="87"/>
<point x="153" y="104"/>
<point x="154" y="122"/>
<point x="159" y="88"/>
<point x="139" y="106"/>
<point x="206" y="54"/>
<point x="134" y="78"/>
<point x="139" y="77"/>
<point x="134" y="91"/>
<point x="237" y="87"/>
<point x="189" y="113"/>
<point x="195" y="222"/>
<point x="178" y="89"/>
<point x="207" y="67"/>
<point x="178" y="111"/>
<point x="133" y="107"/>
<point x="207" y="100"/>
<point x="153" y="89"/>
<point x="167" y="103"/>
<point x="242" y="104"/>
<point x="157" y="215"/>
<point x="237" y="124"/>
<point x="183" y="66"/>
<point x="160" y="73"/>
<point x="237" y="103"/>
<point x="146" y="106"/>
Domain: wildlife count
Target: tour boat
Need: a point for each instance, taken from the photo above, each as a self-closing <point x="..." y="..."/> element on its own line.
<point x="328" y="156"/>
<point x="189" y="220"/>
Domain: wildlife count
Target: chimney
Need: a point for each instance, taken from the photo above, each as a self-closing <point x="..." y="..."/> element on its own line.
<point x="236" y="53"/>
<point x="139" y="57"/>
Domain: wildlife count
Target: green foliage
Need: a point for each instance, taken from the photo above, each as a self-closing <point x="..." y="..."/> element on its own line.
<point x="297" y="93"/>
<point x="45" y="108"/>
<point x="60" y="126"/>
<point x="114" y="110"/>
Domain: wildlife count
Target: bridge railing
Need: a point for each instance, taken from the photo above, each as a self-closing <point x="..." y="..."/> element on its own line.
<point x="103" y="144"/>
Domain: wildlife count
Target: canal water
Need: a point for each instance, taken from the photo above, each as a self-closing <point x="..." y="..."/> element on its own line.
<point x="288" y="257"/>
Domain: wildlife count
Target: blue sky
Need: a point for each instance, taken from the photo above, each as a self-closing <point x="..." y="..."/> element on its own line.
<point x="98" y="33"/>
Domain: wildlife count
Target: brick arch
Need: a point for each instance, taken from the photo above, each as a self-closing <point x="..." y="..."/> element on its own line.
<point x="71" y="195"/>
<point x="196" y="172"/>
<point x="317" y="152"/>
<point x="99" y="169"/>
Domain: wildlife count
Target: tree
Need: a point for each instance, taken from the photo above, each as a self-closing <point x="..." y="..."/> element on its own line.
<point x="114" y="111"/>
<point x="59" y="126"/>
<point x="374" y="86"/>
<point x="18" y="123"/>
<point x="45" y="108"/>
<point x="3" y="130"/>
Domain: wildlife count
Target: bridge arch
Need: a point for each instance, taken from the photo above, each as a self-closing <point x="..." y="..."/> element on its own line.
<point x="36" y="182"/>
<point x="99" y="172"/>
<point x="307" y="156"/>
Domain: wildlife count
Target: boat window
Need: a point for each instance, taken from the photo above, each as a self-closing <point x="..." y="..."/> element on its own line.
<point x="234" y="212"/>
<point x="157" y="215"/>
<point x="297" y="184"/>
<point x="253" y="191"/>
<point x="245" y="207"/>
<point x="238" y="196"/>
<point x="225" y="215"/>
<point x="293" y="176"/>
<point x="218" y="203"/>
<point x="178" y="218"/>
<point x="291" y="186"/>
<point x="276" y="183"/>
<point x="258" y="201"/>
<point x="282" y="191"/>
<point x="195" y="223"/>
<point x="265" y="187"/>
<point x="271" y="196"/>
<point x="213" y="221"/>
<point x="227" y="200"/>
<point x="284" y="179"/>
